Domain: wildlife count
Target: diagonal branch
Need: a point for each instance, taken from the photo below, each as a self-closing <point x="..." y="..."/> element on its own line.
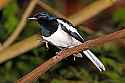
<point x="76" y="19"/>
<point x="85" y="13"/>
<point x="91" y="10"/>
<point x="20" y="26"/>
<point x="19" y="48"/>
<point x="40" y="70"/>
<point x="50" y="9"/>
<point x="15" y="52"/>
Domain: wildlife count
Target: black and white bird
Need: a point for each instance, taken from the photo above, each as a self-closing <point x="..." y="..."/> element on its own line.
<point x="62" y="34"/>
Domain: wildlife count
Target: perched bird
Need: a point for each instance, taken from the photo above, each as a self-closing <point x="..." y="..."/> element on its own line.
<point x="62" y="34"/>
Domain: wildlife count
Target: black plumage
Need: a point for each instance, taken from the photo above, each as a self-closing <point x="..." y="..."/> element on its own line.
<point x="62" y="34"/>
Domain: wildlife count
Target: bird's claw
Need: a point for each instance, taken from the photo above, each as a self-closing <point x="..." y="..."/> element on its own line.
<point x="57" y="53"/>
<point x="46" y="43"/>
<point x="74" y="58"/>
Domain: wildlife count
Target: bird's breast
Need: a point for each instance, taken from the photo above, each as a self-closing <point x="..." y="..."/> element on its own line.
<point x="60" y="38"/>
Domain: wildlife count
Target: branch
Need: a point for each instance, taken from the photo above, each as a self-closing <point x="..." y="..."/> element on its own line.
<point x="19" y="48"/>
<point x="1" y="47"/>
<point x="84" y="14"/>
<point x="50" y="9"/>
<point x="40" y="70"/>
<point x="91" y="10"/>
<point x="21" y="24"/>
<point x="14" y="52"/>
<point x="76" y="19"/>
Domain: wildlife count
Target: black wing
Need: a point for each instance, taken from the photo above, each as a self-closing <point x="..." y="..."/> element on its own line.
<point x="69" y="28"/>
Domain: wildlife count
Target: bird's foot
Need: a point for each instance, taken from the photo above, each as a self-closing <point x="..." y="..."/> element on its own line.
<point x="57" y="53"/>
<point x="46" y="43"/>
<point x="79" y="55"/>
<point x="74" y="58"/>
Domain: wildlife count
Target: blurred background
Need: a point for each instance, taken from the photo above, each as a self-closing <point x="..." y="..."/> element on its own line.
<point x="67" y="71"/>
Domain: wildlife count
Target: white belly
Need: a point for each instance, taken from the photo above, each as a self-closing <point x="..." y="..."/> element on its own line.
<point x="61" y="39"/>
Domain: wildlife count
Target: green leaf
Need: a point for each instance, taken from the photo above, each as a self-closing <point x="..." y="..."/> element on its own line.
<point x="119" y="16"/>
<point x="9" y="14"/>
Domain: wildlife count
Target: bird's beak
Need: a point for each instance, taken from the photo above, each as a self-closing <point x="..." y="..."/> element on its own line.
<point x="32" y="18"/>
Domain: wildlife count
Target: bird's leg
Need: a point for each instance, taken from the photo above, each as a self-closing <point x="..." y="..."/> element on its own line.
<point x="57" y="53"/>
<point x="43" y="41"/>
<point x="77" y="55"/>
<point x="46" y="43"/>
<point x="74" y="58"/>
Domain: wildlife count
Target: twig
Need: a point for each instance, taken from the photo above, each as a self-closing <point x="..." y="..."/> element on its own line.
<point x="19" y="48"/>
<point x="76" y="19"/>
<point x="40" y="70"/>
<point x="4" y="55"/>
<point x="1" y="47"/>
<point x="50" y="9"/>
<point x="84" y="14"/>
<point x="90" y="11"/>
<point x="20" y="26"/>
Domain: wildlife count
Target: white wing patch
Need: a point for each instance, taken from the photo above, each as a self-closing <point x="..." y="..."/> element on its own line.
<point x="70" y="28"/>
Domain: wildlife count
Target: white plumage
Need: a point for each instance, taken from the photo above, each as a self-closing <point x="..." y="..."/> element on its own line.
<point x="62" y="39"/>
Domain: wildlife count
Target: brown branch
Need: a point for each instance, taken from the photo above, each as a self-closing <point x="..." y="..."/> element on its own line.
<point x="14" y="52"/>
<point x="21" y="24"/>
<point x="84" y="14"/>
<point x="40" y="70"/>
<point x="91" y="10"/>
<point x="18" y="52"/>
<point x="1" y="47"/>
<point x="87" y="12"/>
<point x="50" y="9"/>
<point x="19" y="48"/>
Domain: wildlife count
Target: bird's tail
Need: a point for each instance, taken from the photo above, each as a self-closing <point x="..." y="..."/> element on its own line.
<point x="94" y="59"/>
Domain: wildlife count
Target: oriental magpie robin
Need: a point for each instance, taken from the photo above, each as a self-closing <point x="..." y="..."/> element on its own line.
<point x="62" y="34"/>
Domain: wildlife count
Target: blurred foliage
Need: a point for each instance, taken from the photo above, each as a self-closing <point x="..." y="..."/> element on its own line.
<point x="119" y="16"/>
<point x="67" y="71"/>
<point x="10" y="11"/>
<point x="9" y="20"/>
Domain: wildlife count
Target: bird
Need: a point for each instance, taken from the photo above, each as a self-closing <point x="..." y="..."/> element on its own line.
<point x="63" y="34"/>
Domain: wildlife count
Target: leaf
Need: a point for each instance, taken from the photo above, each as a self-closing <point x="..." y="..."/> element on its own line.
<point x="119" y="16"/>
<point x="9" y="14"/>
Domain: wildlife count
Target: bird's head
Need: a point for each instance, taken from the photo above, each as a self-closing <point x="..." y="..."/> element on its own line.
<point x="42" y="17"/>
<point x="46" y="20"/>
